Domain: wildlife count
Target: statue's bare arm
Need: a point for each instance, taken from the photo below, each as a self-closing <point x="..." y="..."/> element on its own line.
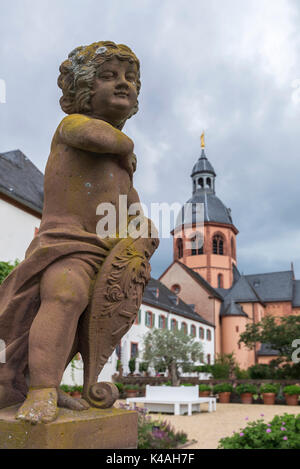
<point x="94" y="135"/>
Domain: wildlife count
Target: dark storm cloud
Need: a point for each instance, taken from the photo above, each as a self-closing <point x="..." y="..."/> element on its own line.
<point x="229" y="68"/>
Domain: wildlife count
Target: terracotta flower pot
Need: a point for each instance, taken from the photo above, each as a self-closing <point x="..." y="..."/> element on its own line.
<point x="269" y="398"/>
<point x="76" y="394"/>
<point x="204" y="393"/>
<point x="131" y="392"/>
<point x="291" y="399"/>
<point x="224" y="397"/>
<point x="246" y="398"/>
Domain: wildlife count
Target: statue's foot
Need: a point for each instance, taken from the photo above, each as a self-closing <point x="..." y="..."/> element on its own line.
<point x="40" y="406"/>
<point x="10" y="396"/>
<point x="69" y="402"/>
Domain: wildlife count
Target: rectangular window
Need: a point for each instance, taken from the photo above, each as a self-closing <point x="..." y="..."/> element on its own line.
<point x="133" y="349"/>
<point x="148" y="318"/>
<point x="138" y="317"/>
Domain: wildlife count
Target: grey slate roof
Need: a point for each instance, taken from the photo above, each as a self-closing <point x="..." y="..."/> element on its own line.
<point x="203" y="166"/>
<point x="274" y="286"/>
<point x="214" y="209"/>
<point x="296" y="294"/>
<point x="21" y="180"/>
<point x="166" y="301"/>
<point x="266" y="350"/>
<point x="233" y="309"/>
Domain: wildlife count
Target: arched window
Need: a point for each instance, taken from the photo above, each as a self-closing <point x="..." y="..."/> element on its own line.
<point x="184" y="328"/>
<point x="193" y="331"/>
<point x="208" y="334"/>
<point x="201" y="332"/>
<point x="218" y="245"/>
<point x="208" y="183"/>
<point x="200" y="182"/>
<point x="196" y="244"/>
<point x="220" y="281"/>
<point x="162" y="322"/>
<point x="179" y="248"/>
<point x="173" y="325"/>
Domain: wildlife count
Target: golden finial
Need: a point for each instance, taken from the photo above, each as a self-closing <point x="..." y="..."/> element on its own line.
<point x="202" y="141"/>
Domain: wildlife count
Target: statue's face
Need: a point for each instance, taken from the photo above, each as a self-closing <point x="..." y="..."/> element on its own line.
<point x="114" y="94"/>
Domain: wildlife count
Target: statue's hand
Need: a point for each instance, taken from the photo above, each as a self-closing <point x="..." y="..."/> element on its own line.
<point x="128" y="162"/>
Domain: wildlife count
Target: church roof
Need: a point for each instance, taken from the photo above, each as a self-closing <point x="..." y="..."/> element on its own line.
<point x="158" y="295"/>
<point x="233" y="309"/>
<point x="266" y="350"/>
<point x="21" y="180"/>
<point x="296" y="295"/>
<point x="274" y="286"/>
<point x="203" y="166"/>
<point x="214" y="209"/>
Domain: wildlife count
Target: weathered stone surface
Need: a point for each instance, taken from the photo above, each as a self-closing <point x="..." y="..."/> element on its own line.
<point x="90" y="429"/>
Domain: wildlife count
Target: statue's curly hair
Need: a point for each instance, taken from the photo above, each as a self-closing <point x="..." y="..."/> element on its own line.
<point x="78" y="72"/>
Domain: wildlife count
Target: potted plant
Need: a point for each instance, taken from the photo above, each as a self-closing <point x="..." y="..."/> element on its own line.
<point x="291" y="394"/>
<point x="204" y="390"/>
<point x="269" y="392"/>
<point x="224" y="391"/>
<point x="76" y="391"/>
<point x="131" y="390"/>
<point x="246" y="392"/>
<point x="66" y="388"/>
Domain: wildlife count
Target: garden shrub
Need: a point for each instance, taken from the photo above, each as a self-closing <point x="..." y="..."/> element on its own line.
<point x="222" y="387"/>
<point x="156" y="434"/>
<point x="283" y="432"/>
<point x="246" y="388"/>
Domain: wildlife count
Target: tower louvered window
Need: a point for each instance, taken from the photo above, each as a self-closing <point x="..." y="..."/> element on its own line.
<point x="218" y="245"/>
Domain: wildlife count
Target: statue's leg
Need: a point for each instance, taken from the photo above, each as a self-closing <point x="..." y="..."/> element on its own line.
<point x="64" y="292"/>
<point x="63" y="398"/>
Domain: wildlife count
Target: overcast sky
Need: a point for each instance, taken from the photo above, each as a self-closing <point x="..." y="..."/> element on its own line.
<point x="229" y="67"/>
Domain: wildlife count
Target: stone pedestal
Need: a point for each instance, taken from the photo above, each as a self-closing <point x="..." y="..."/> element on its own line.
<point x="90" y="429"/>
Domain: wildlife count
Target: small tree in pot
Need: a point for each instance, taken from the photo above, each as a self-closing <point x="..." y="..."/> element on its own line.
<point x="224" y="391"/>
<point x="269" y="392"/>
<point x="131" y="365"/>
<point x="246" y="392"/>
<point x="291" y="394"/>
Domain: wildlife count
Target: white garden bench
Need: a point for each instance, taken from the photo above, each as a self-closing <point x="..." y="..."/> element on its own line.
<point x="175" y="400"/>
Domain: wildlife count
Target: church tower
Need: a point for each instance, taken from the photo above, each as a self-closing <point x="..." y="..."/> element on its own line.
<point x="209" y="250"/>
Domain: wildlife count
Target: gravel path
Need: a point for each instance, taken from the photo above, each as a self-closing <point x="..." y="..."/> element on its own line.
<point x="207" y="428"/>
